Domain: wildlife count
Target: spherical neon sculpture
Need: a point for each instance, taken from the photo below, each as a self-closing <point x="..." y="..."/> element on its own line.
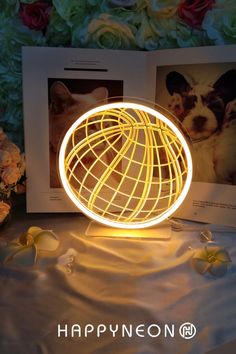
<point x="125" y="165"/>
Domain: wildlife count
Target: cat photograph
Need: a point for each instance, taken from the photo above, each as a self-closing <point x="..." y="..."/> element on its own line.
<point x="68" y="100"/>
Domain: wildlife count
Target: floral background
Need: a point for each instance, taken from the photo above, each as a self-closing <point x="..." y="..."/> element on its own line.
<point x="115" y="24"/>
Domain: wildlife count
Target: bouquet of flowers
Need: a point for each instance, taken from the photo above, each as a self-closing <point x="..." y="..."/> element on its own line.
<point x="111" y="24"/>
<point x="12" y="169"/>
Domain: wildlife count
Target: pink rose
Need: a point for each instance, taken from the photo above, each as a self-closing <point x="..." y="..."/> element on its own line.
<point x="193" y="11"/>
<point x="10" y="175"/>
<point x="35" y="15"/>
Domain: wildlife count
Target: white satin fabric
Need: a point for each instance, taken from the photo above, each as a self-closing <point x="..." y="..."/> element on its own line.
<point x="113" y="281"/>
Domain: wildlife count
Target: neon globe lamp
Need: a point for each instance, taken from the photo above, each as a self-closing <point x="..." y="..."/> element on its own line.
<point x="125" y="165"/>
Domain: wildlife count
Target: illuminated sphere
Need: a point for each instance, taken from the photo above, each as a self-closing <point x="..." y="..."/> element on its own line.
<point x="125" y="165"/>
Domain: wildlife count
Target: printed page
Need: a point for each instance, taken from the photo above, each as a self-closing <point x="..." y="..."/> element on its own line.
<point x="198" y="86"/>
<point x="59" y="84"/>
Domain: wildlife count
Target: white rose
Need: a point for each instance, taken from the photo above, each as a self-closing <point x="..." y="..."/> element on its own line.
<point x="162" y="8"/>
<point x="107" y="31"/>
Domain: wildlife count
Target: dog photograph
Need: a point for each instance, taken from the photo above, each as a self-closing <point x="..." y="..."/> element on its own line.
<point x="68" y="99"/>
<point x="202" y="97"/>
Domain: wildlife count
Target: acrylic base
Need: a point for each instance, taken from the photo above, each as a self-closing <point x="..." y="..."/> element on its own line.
<point x="160" y="232"/>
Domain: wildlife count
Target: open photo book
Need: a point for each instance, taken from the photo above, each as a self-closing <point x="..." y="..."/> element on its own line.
<point x="196" y="85"/>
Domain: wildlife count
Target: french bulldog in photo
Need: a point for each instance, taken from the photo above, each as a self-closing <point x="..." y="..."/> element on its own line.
<point x="207" y="112"/>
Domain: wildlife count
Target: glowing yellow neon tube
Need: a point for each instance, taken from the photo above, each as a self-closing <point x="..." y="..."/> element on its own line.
<point x="125" y="165"/>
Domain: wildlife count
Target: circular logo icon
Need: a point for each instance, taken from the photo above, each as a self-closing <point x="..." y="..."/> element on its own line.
<point x="187" y="330"/>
